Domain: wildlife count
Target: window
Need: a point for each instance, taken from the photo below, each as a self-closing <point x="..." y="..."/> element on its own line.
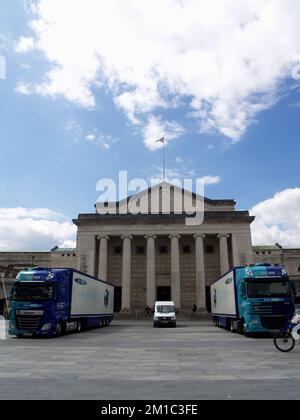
<point x="117" y="250"/>
<point x="210" y="249"/>
<point x="163" y="249"/>
<point x="140" y="250"/>
<point x="186" y="249"/>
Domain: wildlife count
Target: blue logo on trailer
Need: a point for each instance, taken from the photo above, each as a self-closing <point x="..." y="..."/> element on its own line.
<point x="81" y="282"/>
<point x="106" y="298"/>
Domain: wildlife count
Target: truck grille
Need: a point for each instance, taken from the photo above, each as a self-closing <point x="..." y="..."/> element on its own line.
<point x="28" y="322"/>
<point x="276" y="308"/>
<point x="272" y="322"/>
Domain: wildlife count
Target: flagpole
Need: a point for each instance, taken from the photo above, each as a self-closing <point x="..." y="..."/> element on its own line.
<point x="164" y="161"/>
<point x="162" y="140"/>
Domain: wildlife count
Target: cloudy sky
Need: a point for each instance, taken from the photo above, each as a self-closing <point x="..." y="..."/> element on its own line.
<point x="91" y="84"/>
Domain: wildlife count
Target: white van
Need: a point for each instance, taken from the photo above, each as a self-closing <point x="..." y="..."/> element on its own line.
<point x="164" y="314"/>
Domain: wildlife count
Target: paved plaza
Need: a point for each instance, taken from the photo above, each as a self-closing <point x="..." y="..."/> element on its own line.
<point x="132" y="360"/>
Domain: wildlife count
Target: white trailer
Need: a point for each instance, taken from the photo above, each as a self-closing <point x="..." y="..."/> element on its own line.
<point x="223" y="296"/>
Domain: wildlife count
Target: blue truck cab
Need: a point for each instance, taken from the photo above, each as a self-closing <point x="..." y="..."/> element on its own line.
<point x="47" y="302"/>
<point x="254" y="299"/>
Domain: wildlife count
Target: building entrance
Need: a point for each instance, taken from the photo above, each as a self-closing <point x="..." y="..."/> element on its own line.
<point x="164" y="293"/>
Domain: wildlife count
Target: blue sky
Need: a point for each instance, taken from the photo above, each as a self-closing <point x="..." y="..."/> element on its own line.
<point x="75" y="109"/>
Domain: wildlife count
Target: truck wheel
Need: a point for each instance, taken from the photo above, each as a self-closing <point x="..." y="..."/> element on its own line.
<point x="79" y="327"/>
<point x="59" y="330"/>
<point x="232" y="329"/>
<point x="240" y="327"/>
<point x="245" y="332"/>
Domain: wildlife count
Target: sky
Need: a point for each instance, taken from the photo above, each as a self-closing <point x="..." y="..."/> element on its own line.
<point x="89" y="85"/>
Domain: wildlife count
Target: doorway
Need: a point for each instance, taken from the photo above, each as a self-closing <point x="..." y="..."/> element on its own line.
<point x="118" y="299"/>
<point x="163" y="293"/>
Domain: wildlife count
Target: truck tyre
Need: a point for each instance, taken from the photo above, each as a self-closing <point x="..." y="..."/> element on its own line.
<point x="245" y="332"/>
<point x="79" y="327"/>
<point x="59" y="330"/>
<point x="232" y="329"/>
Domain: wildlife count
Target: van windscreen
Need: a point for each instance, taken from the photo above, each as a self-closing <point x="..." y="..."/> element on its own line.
<point x="167" y="309"/>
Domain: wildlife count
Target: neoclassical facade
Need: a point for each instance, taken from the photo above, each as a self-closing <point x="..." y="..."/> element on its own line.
<point x="149" y="257"/>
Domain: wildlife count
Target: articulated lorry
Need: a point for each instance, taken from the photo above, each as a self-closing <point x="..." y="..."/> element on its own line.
<point x="254" y="299"/>
<point x="49" y="302"/>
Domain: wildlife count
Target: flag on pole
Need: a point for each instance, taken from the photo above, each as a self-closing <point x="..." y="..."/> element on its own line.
<point x="162" y="140"/>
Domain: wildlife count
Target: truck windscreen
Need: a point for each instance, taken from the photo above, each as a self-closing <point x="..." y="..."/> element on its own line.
<point x="31" y="293"/>
<point x="268" y="288"/>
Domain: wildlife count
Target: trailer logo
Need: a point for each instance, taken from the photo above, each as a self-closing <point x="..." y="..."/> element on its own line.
<point x="106" y="298"/>
<point x="81" y="282"/>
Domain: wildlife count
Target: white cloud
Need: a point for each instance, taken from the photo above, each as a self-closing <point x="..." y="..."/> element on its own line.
<point x="99" y="139"/>
<point x="156" y="128"/>
<point x="23" y="89"/>
<point x="224" y="59"/>
<point x="34" y="229"/>
<point x="277" y="220"/>
<point x="25" y="44"/>
<point x="210" y="180"/>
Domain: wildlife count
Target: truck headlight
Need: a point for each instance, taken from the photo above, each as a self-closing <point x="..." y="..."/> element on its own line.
<point x="47" y="327"/>
<point x="156" y="318"/>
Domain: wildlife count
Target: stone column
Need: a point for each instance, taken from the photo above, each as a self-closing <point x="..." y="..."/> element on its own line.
<point x="102" y="272"/>
<point x="235" y="251"/>
<point x="175" y="270"/>
<point x="224" y="257"/>
<point x="150" y="282"/>
<point x="200" y="273"/>
<point x="126" y="274"/>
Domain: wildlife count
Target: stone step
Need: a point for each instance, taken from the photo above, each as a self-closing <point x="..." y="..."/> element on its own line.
<point x="139" y="315"/>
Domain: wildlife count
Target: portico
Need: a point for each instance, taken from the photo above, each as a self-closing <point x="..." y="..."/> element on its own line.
<point x="141" y="253"/>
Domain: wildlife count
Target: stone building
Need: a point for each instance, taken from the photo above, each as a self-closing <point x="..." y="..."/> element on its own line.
<point x="159" y="256"/>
